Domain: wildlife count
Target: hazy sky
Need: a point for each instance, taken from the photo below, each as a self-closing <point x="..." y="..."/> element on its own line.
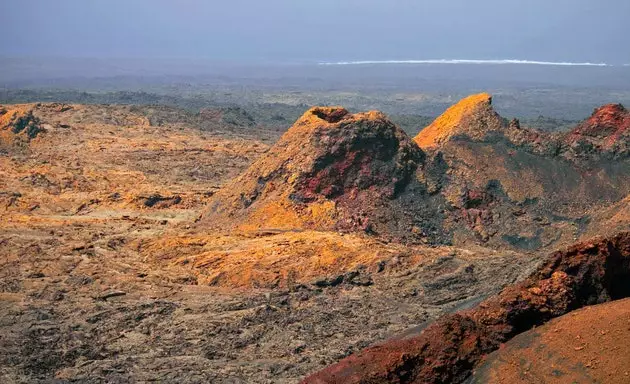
<point x="322" y="30"/>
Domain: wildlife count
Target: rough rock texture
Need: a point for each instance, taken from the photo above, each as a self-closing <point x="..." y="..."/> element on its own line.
<point x="96" y="285"/>
<point x="472" y="116"/>
<point x="104" y="276"/>
<point x="607" y="131"/>
<point x="589" y="345"/>
<point x="447" y="351"/>
<point x="18" y="125"/>
<point x="505" y="185"/>
<point x="485" y="180"/>
<point x="334" y="171"/>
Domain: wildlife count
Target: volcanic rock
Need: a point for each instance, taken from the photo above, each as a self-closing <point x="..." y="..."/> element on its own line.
<point x="447" y="351"/>
<point x="334" y="170"/>
<point x="473" y="116"/>
<point x="18" y="124"/>
<point x="471" y="149"/>
<point x="158" y="201"/>
<point x="608" y="129"/>
<point x="590" y="345"/>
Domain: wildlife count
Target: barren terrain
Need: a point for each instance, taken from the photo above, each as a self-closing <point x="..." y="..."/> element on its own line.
<point x="151" y="244"/>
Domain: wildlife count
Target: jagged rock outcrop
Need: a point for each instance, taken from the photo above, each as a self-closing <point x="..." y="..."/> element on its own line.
<point x="334" y="170"/>
<point x="537" y="193"/>
<point x="447" y="351"/>
<point x="18" y="125"/>
<point x="606" y="132"/>
<point x="472" y="116"/>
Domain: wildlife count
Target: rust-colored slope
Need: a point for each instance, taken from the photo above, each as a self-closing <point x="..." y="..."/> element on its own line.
<point x="608" y="129"/>
<point x="447" y="351"/>
<point x="590" y="345"/>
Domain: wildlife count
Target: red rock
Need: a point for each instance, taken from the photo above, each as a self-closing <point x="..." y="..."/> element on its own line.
<point x="447" y="351"/>
<point x="333" y="170"/>
<point x="552" y="353"/>
<point x="607" y="126"/>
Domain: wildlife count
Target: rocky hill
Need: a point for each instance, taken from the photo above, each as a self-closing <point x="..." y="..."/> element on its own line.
<point x="446" y="351"/>
<point x="150" y="243"/>
<point x="605" y="134"/>
<point x="507" y="185"/>
<point x="335" y="171"/>
<point x="471" y="177"/>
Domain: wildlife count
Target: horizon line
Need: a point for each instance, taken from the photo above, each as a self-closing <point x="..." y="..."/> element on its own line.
<point x="469" y="61"/>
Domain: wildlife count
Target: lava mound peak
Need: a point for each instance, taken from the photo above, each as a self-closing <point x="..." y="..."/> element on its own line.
<point x="332" y="170"/>
<point x="473" y="116"/>
<point x="608" y="128"/>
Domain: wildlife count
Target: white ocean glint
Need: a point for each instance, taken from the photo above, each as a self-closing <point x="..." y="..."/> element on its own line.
<point x="466" y="61"/>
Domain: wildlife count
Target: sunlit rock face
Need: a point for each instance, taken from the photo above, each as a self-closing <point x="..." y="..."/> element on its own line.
<point x="18" y="125"/>
<point x="334" y="170"/>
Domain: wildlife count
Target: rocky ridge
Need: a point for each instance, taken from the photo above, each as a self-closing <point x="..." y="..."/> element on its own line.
<point x="470" y="177"/>
<point x="508" y="185"/>
<point x="448" y="350"/>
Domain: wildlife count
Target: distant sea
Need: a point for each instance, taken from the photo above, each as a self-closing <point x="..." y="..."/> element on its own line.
<point x="471" y="61"/>
<point x="458" y="76"/>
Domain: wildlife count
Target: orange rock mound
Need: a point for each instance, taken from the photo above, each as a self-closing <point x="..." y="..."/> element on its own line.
<point x="459" y="119"/>
<point x="474" y="118"/>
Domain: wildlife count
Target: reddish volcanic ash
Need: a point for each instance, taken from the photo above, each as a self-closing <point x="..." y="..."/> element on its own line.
<point x="590" y="345"/>
<point x="607" y="126"/>
<point x="447" y="351"/>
